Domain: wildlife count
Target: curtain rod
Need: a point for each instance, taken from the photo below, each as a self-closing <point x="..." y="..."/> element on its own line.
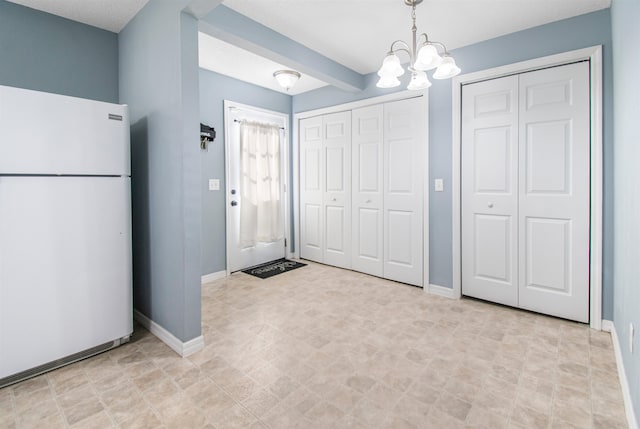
<point x="236" y="120"/>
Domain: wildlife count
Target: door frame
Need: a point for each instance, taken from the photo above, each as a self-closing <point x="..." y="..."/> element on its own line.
<point x="396" y="96"/>
<point x="594" y="55"/>
<point x="229" y="106"/>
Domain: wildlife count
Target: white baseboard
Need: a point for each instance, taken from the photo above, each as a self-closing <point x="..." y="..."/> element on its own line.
<point x="192" y="346"/>
<point x="440" y="291"/>
<point x="607" y="325"/>
<point x="183" y="349"/>
<point x="622" y="375"/>
<point x="207" y="278"/>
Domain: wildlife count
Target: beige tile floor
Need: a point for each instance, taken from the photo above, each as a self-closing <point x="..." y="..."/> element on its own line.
<point x="321" y="347"/>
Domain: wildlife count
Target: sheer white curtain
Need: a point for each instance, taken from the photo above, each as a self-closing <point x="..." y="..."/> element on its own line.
<point x="261" y="217"/>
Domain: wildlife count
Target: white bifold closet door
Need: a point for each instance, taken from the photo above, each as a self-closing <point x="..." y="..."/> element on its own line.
<point x="325" y="197"/>
<point x="311" y="189"/>
<point x="405" y="136"/>
<point x="490" y="190"/>
<point x="361" y="189"/>
<point x="367" y="209"/>
<point x="388" y="160"/>
<point x="554" y="197"/>
<point x="525" y="190"/>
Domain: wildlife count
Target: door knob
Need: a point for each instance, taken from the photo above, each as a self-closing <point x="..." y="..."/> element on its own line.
<point x="234" y="203"/>
<point x="490" y="205"/>
<point x="368" y="201"/>
<point x="333" y="199"/>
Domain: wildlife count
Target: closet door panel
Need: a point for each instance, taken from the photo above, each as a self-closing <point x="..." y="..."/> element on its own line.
<point x="336" y="144"/>
<point x="489" y="190"/>
<point x="401" y="230"/>
<point x="554" y="191"/>
<point x="313" y="231"/>
<point x="367" y="199"/>
<point x="335" y="216"/>
<point x="367" y="226"/>
<point x="404" y="161"/>
<point x="336" y="170"/>
<point x="311" y="190"/>
<point x="494" y="252"/>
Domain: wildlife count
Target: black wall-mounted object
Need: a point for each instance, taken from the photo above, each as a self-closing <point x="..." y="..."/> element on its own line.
<point x="207" y="134"/>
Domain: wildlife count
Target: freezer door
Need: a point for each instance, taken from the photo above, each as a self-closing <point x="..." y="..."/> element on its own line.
<point x="65" y="267"/>
<point x="42" y="133"/>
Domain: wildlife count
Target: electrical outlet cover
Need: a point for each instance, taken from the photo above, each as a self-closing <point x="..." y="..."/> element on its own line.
<point x="439" y="185"/>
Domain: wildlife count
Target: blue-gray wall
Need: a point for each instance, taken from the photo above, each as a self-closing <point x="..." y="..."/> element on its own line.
<point x="159" y="80"/>
<point x="561" y="36"/>
<point x="214" y="89"/>
<point x="47" y="53"/>
<point x="626" y="64"/>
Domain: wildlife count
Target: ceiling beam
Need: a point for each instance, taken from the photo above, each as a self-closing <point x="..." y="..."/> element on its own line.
<point x="230" y="26"/>
<point x="200" y="8"/>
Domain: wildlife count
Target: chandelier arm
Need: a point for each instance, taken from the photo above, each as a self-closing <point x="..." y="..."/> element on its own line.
<point x="441" y="45"/>
<point x="404" y="50"/>
<point x="405" y="47"/>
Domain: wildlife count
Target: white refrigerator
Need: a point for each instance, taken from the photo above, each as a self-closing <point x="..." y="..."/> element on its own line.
<point x="65" y="230"/>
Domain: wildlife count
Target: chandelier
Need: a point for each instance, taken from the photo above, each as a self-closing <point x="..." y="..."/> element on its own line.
<point x="421" y="58"/>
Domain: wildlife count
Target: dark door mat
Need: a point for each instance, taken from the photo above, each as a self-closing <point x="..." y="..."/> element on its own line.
<point x="273" y="268"/>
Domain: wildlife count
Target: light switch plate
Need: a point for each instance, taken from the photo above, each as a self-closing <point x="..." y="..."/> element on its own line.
<point x="439" y="185"/>
<point x="214" y="184"/>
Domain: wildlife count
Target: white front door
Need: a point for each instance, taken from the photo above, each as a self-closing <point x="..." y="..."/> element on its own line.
<point x="367" y="197"/>
<point x="490" y="190"/>
<point x="525" y="191"/>
<point x="405" y="137"/>
<point x="240" y="256"/>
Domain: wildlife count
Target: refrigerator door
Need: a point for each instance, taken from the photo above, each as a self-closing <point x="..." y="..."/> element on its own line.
<point x="65" y="267"/>
<point x="46" y="133"/>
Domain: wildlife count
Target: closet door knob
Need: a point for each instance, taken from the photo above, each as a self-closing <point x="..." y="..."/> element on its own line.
<point x="490" y="205"/>
<point x="368" y="201"/>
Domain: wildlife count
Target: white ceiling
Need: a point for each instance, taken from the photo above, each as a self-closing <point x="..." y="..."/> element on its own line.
<point x="229" y="60"/>
<point x="111" y="15"/>
<point x="355" y="33"/>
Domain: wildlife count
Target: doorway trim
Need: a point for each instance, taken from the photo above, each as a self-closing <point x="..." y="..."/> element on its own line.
<point x="230" y="106"/>
<point x="594" y="55"/>
<point x="396" y="96"/>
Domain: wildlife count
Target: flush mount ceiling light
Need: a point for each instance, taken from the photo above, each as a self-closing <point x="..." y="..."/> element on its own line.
<point x="422" y="57"/>
<point x="286" y="78"/>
